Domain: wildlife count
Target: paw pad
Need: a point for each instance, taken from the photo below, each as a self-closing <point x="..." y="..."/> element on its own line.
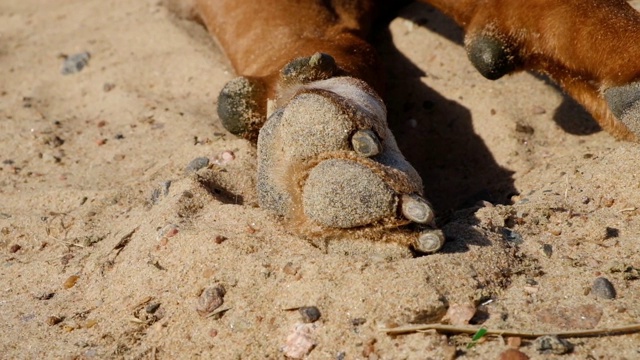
<point x="344" y="194"/>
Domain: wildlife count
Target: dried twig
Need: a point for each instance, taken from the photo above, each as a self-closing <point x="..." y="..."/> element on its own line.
<point x="452" y="329"/>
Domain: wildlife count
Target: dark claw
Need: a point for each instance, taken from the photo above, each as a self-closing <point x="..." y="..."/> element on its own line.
<point x="416" y="209"/>
<point x="429" y="241"/>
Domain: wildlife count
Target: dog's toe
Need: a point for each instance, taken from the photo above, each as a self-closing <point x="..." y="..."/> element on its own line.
<point x="491" y="56"/>
<point x="239" y="106"/>
<point x="624" y="102"/>
<point x="318" y="66"/>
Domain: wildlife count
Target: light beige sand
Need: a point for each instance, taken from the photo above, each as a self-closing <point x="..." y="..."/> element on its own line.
<point x="86" y="158"/>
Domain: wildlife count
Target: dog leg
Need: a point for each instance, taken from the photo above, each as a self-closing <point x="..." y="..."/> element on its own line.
<point x="590" y="47"/>
<point x="327" y="161"/>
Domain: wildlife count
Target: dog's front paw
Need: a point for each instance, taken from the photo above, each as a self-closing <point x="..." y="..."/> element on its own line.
<point x="328" y="163"/>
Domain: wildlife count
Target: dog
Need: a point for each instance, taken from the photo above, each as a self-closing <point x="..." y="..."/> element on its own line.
<point x="308" y="95"/>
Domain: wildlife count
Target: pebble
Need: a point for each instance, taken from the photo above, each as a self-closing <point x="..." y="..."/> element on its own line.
<point x="460" y="314"/>
<point x="224" y="158"/>
<point x="547" y="249"/>
<point x="15" y="248"/>
<point x="603" y="288"/>
<point x="309" y="314"/>
<point x="71" y="281"/>
<point x="210" y="299"/>
<point x="75" y="63"/>
<point x="512" y="236"/>
<point x="152" y="308"/>
<point x="165" y="187"/>
<point x="300" y="342"/>
<point x="196" y="164"/>
<point x="54" y="320"/>
<point x="573" y="317"/>
<point x="45" y="296"/>
<point x="106" y="87"/>
<point x="168" y="231"/>
<point x="514" y="342"/>
<point x="290" y="269"/>
<point x="513" y="354"/>
<point x="553" y="344"/>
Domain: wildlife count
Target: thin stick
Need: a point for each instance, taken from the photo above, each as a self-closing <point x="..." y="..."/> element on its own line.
<point x="523" y="334"/>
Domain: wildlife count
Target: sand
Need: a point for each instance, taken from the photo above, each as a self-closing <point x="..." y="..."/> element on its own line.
<point x="107" y="244"/>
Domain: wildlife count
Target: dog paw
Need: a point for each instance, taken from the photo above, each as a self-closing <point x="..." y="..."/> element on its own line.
<point x="624" y="102"/>
<point x="328" y="163"/>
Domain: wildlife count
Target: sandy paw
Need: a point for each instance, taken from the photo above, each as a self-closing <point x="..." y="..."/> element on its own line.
<point x="329" y="164"/>
<point x="624" y="102"/>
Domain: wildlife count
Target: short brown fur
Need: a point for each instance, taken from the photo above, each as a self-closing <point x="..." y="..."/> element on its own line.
<point x="586" y="46"/>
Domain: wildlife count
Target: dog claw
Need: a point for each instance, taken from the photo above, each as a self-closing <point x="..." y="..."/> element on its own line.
<point x="239" y="106"/>
<point x="416" y="209"/>
<point x="429" y="241"/>
<point x="366" y="143"/>
<point x="490" y="56"/>
<point x="318" y="66"/>
<point x="624" y="102"/>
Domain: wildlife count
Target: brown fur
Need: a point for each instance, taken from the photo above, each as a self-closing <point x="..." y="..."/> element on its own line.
<point x="587" y="46"/>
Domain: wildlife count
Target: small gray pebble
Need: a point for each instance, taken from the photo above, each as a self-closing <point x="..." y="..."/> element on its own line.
<point x="196" y="164"/>
<point x="165" y="187"/>
<point x="152" y="308"/>
<point x="75" y="63"/>
<point x="553" y="344"/>
<point x="106" y="87"/>
<point x="603" y="288"/>
<point x="155" y="196"/>
<point x="309" y="314"/>
<point x="512" y="236"/>
<point x="547" y="249"/>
